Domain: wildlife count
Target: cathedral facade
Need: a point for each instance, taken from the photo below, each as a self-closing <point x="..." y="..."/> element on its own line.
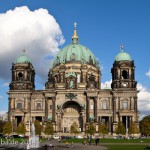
<point x="73" y="91"/>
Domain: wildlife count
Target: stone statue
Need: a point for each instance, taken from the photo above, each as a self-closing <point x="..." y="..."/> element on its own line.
<point x="71" y="84"/>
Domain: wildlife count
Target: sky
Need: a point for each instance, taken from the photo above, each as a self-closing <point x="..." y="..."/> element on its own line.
<point x="44" y="27"/>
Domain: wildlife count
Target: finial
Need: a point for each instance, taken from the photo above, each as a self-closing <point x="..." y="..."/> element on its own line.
<point x="121" y="48"/>
<point x="75" y="25"/>
<point x="75" y="37"/>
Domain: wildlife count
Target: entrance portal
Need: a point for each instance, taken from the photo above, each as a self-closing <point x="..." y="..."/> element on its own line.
<point x="71" y="114"/>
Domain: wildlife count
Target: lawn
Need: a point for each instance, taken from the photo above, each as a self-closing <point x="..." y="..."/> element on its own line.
<point x="118" y="144"/>
<point x="146" y="140"/>
<point x="126" y="147"/>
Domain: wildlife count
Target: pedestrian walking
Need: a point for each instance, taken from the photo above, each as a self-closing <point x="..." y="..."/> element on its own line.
<point x="90" y="139"/>
<point x="96" y="140"/>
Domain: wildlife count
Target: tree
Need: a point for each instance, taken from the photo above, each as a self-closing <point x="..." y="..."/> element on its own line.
<point x="90" y="129"/>
<point x="74" y="128"/>
<point x="102" y="129"/>
<point x="14" y="125"/>
<point x="7" y="128"/>
<point x="120" y="129"/>
<point x="145" y="125"/>
<point x="49" y="130"/>
<point x="38" y="127"/>
<point x="2" y="123"/>
<point x="21" y="129"/>
<point x="133" y="129"/>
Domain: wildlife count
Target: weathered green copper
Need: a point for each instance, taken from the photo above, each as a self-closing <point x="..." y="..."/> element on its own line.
<point x="23" y="59"/>
<point x="122" y="56"/>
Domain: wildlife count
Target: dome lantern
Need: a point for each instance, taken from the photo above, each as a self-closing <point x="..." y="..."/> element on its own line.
<point x="75" y="36"/>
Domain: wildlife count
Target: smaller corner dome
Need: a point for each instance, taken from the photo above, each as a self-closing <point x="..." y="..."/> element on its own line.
<point x="23" y="59"/>
<point x="122" y="56"/>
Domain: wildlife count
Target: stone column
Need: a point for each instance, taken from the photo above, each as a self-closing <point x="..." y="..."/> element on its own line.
<point x="114" y="109"/>
<point x="46" y="109"/>
<point x="120" y="118"/>
<point x="14" y="100"/>
<point x="135" y="108"/>
<point x="83" y="121"/>
<point x="59" y="121"/>
<point x="9" y="108"/>
<point x="87" y="108"/>
<point x="95" y="108"/>
<point x="110" y="123"/>
<point x="53" y="109"/>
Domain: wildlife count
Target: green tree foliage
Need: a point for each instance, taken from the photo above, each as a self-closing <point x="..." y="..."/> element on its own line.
<point x="90" y="129"/>
<point x="38" y="127"/>
<point x="7" y="128"/>
<point x="133" y="129"/>
<point x="21" y="129"/>
<point x="49" y="130"/>
<point x="74" y="129"/>
<point x="14" y="125"/>
<point x="145" y="125"/>
<point x="120" y="129"/>
<point x="102" y="129"/>
<point x="2" y="123"/>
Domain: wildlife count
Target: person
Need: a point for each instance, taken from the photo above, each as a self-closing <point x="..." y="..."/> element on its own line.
<point x="96" y="140"/>
<point x="67" y="143"/>
<point x="71" y="144"/>
<point x="28" y="145"/>
<point x="84" y="142"/>
<point x="46" y="147"/>
<point x="90" y="139"/>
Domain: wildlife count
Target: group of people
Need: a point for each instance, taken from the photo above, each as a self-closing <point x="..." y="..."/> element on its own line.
<point x="90" y="140"/>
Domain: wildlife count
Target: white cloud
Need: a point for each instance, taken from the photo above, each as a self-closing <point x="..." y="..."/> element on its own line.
<point x="148" y="73"/>
<point x="143" y="98"/>
<point x="106" y="84"/>
<point x="5" y="84"/>
<point x="3" y="112"/>
<point x="1" y="97"/>
<point x="35" y="31"/>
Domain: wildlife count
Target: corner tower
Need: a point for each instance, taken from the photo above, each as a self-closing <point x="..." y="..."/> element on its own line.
<point x="124" y="91"/>
<point x="123" y="72"/>
<point x="22" y="74"/>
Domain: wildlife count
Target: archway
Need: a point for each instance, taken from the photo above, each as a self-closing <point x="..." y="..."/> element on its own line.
<point x="71" y="114"/>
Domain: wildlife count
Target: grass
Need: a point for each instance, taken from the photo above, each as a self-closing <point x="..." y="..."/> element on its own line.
<point x="111" y="140"/>
<point x="118" y="144"/>
<point x="126" y="147"/>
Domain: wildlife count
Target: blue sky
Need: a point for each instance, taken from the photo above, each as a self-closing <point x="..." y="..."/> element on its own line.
<point x="102" y="26"/>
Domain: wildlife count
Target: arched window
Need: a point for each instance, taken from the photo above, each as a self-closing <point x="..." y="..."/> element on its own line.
<point x="104" y="105"/>
<point x="90" y="59"/>
<point x="124" y="105"/>
<point x="124" y="74"/>
<point x="19" y="105"/>
<point x="73" y="57"/>
<point x="57" y="60"/>
<point x="20" y="76"/>
<point x="38" y="106"/>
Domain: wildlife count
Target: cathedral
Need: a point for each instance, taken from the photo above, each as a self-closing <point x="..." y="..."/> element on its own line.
<point x="73" y="91"/>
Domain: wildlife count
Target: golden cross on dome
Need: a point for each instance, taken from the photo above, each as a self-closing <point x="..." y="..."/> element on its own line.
<point x="24" y="51"/>
<point x="121" y="48"/>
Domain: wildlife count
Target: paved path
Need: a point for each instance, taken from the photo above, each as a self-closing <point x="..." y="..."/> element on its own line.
<point x="75" y="146"/>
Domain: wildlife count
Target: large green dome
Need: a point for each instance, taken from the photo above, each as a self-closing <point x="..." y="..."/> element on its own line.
<point x="75" y="52"/>
<point x="23" y="59"/>
<point x="122" y="56"/>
